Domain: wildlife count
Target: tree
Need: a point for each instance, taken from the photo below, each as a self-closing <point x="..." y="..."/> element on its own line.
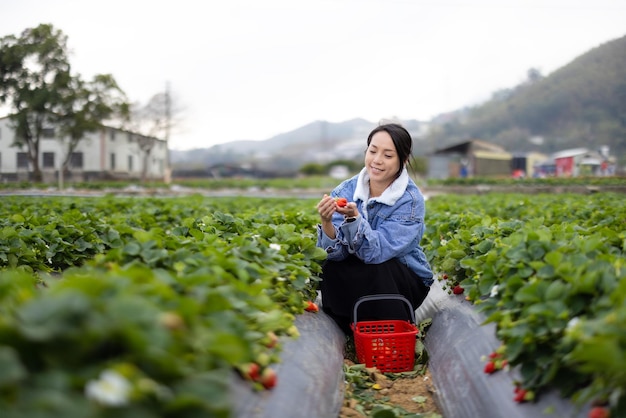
<point x="35" y="81"/>
<point x="34" y="70"/>
<point x="155" y="119"/>
<point x="83" y="108"/>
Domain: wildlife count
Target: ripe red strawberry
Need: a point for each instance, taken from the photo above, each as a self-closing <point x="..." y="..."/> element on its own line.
<point x="444" y="276"/>
<point x="311" y="307"/>
<point x="251" y="371"/>
<point x="599" y="412"/>
<point x="523" y="395"/>
<point x="519" y="394"/>
<point x="342" y="202"/>
<point x="490" y="367"/>
<point x="458" y="289"/>
<point x="268" y="378"/>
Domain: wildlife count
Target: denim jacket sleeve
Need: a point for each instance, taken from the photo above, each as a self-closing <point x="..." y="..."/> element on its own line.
<point x="337" y="249"/>
<point x="398" y="229"/>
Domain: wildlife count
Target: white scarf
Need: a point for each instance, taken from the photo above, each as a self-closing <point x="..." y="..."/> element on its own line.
<point x="388" y="197"/>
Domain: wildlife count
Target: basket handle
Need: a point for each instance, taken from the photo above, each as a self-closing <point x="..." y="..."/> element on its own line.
<point x="383" y="297"/>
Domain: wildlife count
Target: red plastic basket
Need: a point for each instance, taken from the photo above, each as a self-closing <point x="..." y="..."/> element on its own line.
<point x="388" y="345"/>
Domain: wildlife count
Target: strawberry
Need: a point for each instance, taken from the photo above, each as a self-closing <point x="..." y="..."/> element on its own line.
<point x="523" y="395"/>
<point x="490" y="367"/>
<point x="272" y="339"/>
<point x="251" y="371"/>
<point x="311" y="307"/>
<point x="458" y="289"/>
<point x="444" y="276"/>
<point x="268" y="378"/>
<point x="342" y="202"/>
<point x="599" y="412"/>
<point x="519" y="395"/>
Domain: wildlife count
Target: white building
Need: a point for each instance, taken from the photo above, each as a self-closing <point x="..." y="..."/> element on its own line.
<point x="107" y="154"/>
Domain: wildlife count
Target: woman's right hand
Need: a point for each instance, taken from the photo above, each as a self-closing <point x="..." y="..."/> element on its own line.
<point x="326" y="207"/>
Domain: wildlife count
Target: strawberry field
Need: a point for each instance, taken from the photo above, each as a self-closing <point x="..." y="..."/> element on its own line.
<point x="144" y="307"/>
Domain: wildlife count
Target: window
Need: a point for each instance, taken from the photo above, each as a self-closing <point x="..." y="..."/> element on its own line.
<point x="112" y="134"/>
<point x="130" y="137"/>
<point x="48" y="159"/>
<point x="22" y="160"/>
<point x="112" y="161"/>
<point x="76" y="160"/>
<point x="47" y="133"/>
<point x="130" y="163"/>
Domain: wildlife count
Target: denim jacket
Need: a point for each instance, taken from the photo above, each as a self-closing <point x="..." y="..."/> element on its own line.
<point x="389" y="226"/>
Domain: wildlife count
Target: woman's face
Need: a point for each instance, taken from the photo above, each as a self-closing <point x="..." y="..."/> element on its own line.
<point x="381" y="159"/>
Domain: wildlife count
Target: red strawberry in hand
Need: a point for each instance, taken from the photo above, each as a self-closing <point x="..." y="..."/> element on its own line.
<point x="342" y="202"/>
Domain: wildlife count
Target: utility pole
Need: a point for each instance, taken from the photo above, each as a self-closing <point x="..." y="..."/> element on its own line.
<point x="168" y="121"/>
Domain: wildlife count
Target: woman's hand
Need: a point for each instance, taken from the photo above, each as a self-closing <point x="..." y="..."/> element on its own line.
<point x="349" y="211"/>
<point x="326" y="207"/>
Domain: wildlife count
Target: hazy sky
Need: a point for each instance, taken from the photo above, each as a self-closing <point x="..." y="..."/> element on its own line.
<point x="251" y="69"/>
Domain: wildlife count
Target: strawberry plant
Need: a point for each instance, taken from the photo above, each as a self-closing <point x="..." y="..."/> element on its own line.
<point x="168" y="298"/>
<point x="549" y="273"/>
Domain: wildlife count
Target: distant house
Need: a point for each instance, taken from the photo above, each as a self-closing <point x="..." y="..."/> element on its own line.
<point x="580" y="162"/>
<point x="524" y="164"/>
<point x="474" y="158"/>
<point x="109" y="153"/>
<point x="339" y="172"/>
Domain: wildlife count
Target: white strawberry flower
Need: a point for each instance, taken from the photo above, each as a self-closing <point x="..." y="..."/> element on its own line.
<point x="275" y="246"/>
<point x="572" y="323"/>
<point x="111" y="389"/>
<point x="494" y="291"/>
<point x="443" y="242"/>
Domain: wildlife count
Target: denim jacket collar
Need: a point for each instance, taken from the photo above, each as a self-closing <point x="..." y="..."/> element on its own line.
<point x="391" y="194"/>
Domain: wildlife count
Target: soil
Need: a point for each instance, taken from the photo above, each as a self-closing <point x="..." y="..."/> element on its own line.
<point x="413" y="394"/>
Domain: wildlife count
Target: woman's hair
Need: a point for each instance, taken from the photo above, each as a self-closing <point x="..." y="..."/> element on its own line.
<point x="401" y="140"/>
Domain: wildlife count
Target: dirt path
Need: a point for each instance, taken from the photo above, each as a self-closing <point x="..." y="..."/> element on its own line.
<point x="405" y="394"/>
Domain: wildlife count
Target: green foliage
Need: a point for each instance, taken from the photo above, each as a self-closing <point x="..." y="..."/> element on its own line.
<point x="529" y="183"/>
<point x="313" y="169"/>
<point x="172" y="294"/>
<point x="168" y="296"/>
<point x="549" y="272"/>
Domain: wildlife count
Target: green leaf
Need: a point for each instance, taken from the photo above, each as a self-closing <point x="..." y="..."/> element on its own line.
<point x="11" y="369"/>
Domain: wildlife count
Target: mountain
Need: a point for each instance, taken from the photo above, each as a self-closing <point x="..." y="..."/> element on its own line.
<point x="319" y="141"/>
<point x="582" y="104"/>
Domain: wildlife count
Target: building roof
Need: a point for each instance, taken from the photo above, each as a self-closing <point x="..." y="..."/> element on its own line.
<point x="573" y="152"/>
<point x="471" y="145"/>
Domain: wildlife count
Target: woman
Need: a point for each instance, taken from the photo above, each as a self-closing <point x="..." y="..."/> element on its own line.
<point x="373" y="242"/>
